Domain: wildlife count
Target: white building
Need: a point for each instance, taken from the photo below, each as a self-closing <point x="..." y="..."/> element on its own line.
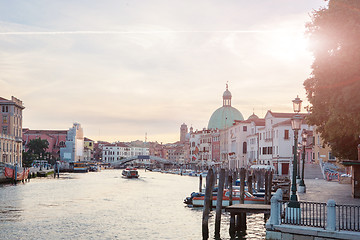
<point x="253" y="140"/>
<point x="74" y="145"/>
<point x="117" y="151"/>
<point x="276" y="141"/>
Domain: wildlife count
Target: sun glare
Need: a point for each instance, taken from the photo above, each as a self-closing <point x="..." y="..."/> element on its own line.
<point x="286" y="45"/>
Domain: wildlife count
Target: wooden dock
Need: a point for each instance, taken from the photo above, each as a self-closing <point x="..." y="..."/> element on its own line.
<point x="238" y="215"/>
<point x="249" y="208"/>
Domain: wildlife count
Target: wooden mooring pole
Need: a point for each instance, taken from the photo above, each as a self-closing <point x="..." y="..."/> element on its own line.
<point x="219" y="203"/>
<point x="250" y="183"/>
<point x="241" y="223"/>
<point x="200" y="183"/>
<point x="230" y="188"/>
<point x="207" y="203"/>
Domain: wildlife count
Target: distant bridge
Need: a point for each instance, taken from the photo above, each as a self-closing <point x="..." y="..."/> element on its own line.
<point x="141" y="157"/>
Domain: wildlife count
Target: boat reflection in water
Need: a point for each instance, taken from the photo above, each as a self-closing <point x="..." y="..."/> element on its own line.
<point x="130" y="173"/>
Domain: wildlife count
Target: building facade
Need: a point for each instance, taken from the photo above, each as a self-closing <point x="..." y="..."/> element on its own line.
<point x="74" y="145"/>
<point x="11" y="131"/>
<point x="55" y="138"/>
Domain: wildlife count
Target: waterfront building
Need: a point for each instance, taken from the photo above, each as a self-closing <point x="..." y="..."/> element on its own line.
<point x="74" y="145"/>
<point x="98" y="150"/>
<point x="276" y="141"/>
<point x="11" y="130"/>
<point x="55" y="138"/>
<point x="224" y="147"/>
<point x="157" y="149"/>
<point x="88" y="149"/>
<point x="202" y="143"/>
<point x="119" y="150"/>
<point x="253" y="139"/>
<point x="237" y="144"/>
<point x="115" y="151"/>
<point x="215" y="147"/>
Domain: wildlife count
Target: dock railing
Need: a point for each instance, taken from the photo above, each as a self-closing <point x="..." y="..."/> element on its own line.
<point x="348" y="217"/>
<point x="328" y="216"/>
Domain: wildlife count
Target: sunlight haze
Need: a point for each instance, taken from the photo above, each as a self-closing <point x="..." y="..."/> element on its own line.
<point x="126" y="68"/>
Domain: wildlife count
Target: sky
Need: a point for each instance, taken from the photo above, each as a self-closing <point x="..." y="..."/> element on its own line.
<point x="125" y="68"/>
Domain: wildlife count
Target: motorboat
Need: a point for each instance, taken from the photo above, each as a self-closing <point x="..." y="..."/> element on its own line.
<point x="130" y="173"/>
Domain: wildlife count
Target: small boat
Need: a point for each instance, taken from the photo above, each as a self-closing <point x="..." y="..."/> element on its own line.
<point x="130" y="173"/>
<point x="9" y="172"/>
<point x="198" y="201"/>
<point x="94" y="167"/>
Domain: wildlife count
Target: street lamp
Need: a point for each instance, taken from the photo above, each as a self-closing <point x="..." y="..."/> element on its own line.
<point x="302" y="187"/>
<point x="296" y="126"/>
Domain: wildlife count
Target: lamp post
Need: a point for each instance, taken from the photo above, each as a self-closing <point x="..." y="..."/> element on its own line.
<point x="299" y="152"/>
<point x="302" y="187"/>
<point x="296" y="126"/>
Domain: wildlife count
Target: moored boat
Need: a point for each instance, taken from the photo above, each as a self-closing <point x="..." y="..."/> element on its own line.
<point x="10" y="173"/>
<point x="130" y="173"/>
<point x="81" y="167"/>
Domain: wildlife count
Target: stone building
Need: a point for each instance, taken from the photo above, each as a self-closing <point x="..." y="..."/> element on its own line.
<point x="11" y="130"/>
<point x="55" y="138"/>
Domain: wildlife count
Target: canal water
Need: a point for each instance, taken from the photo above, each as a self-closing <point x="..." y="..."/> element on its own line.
<point x="103" y="205"/>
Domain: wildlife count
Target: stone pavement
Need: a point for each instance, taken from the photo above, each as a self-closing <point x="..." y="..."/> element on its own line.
<point x="319" y="190"/>
<point x="312" y="171"/>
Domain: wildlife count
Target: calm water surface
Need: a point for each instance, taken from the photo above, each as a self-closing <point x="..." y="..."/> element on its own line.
<point x="103" y="205"/>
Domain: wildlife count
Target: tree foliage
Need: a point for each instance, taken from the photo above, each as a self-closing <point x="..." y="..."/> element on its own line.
<point x="28" y="158"/>
<point x="333" y="88"/>
<point x="38" y="146"/>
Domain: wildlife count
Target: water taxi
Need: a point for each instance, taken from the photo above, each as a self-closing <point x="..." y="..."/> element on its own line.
<point x="130" y="173"/>
<point x="81" y="167"/>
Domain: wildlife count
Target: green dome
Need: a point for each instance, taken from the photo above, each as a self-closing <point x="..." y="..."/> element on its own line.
<point x="224" y="117"/>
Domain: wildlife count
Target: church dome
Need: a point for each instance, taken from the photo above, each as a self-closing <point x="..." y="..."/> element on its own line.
<point x="225" y="116"/>
<point x="253" y="117"/>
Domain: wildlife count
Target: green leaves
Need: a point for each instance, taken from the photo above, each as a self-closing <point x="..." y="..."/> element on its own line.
<point x="38" y="146"/>
<point x="334" y="87"/>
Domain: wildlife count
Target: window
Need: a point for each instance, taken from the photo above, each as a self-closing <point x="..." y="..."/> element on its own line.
<point x="5" y="119"/>
<point x="244" y="147"/>
<point x="331" y="157"/>
<point x="5" y="130"/>
<point x="286" y="134"/>
<point x="264" y="150"/>
<point x="244" y="128"/>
